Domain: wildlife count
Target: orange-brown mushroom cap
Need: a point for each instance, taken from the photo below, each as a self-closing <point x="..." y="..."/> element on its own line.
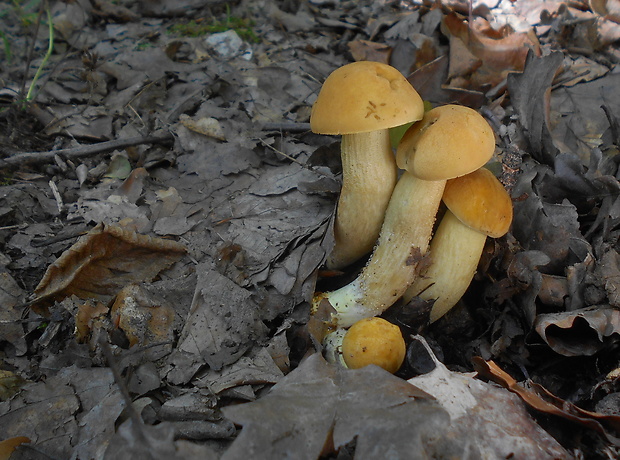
<point x="364" y="96"/>
<point x="374" y="341"/>
<point x="480" y="201"/>
<point x="450" y="141"/>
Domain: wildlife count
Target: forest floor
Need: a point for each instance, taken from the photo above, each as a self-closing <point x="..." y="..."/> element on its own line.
<point x="165" y="214"/>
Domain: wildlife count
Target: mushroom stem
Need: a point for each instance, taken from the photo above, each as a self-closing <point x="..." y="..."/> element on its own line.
<point x="455" y="251"/>
<point x="403" y="240"/>
<point x="369" y="175"/>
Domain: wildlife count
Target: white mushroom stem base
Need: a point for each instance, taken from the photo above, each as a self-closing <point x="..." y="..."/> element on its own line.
<point x="403" y="240"/>
<point x="455" y="251"/>
<point x="369" y="175"/>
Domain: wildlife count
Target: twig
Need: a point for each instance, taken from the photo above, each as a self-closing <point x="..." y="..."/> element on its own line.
<point x="82" y="151"/>
<point x="291" y="127"/>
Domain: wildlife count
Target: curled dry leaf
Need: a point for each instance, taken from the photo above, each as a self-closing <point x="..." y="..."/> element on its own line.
<point x="497" y="51"/>
<point x="537" y="397"/>
<point x="102" y="262"/>
<point x="579" y="333"/>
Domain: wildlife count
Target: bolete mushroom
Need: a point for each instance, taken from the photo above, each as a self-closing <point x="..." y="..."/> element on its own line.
<point x="369" y="341"/>
<point x="361" y="101"/>
<point x="478" y="206"/>
<point x="450" y="141"/>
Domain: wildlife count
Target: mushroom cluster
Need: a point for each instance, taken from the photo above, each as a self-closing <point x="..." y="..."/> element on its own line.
<point x="362" y="101"/>
<point x="441" y="156"/>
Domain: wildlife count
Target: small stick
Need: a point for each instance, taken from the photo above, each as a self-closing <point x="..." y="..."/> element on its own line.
<point x="82" y="151"/>
<point x="291" y="127"/>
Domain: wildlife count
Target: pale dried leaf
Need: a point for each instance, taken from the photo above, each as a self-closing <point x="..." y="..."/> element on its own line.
<point x="491" y="419"/>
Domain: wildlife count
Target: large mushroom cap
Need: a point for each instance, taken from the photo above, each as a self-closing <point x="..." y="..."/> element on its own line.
<point x="450" y="141"/>
<point x="364" y="96"/>
<point x="480" y="202"/>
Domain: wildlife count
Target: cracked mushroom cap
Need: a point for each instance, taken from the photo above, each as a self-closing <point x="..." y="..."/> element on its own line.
<point x="450" y="141"/>
<point x="374" y="341"/>
<point x="480" y="202"/>
<point x="365" y="96"/>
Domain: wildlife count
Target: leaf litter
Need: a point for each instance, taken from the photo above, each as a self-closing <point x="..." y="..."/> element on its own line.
<point x="206" y="233"/>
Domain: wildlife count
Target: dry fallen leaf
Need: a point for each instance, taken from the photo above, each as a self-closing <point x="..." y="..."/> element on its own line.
<point x="498" y="51"/>
<point x="144" y="317"/>
<point x="429" y="81"/>
<point x="479" y="412"/>
<point x="529" y="93"/>
<point x="221" y="326"/>
<point x="87" y="313"/>
<point x="540" y="399"/>
<point x="365" y="50"/>
<point x="9" y="445"/>
<point x="104" y="261"/>
<point x="582" y="332"/>
<point x="320" y="407"/>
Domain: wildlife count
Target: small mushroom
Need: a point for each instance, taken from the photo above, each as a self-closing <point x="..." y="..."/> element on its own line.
<point x="361" y="101"/>
<point x="450" y="141"/>
<point x="478" y="206"/>
<point x="369" y="341"/>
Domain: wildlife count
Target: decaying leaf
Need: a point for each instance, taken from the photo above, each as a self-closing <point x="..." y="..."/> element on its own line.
<point x="429" y="81"/>
<point x="103" y="262"/>
<point x="497" y="52"/>
<point x="101" y="405"/>
<point x="11" y="295"/>
<point x="581" y="332"/>
<point x="153" y="442"/>
<point x="529" y="93"/>
<point x="540" y="399"/>
<point x="547" y="219"/>
<point x="579" y="121"/>
<point x="10" y="384"/>
<point x="491" y="419"/>
<point x="207" y="126"/>
<point x="222" y="324"/>
<point x="22" y="416"/>
<point x="364" y="50"/>
<point x="319" y="407"/>
<point x="256" y="369"/>
<point x="144" y="317"/>
<point x="87" y="313"/>
<point x="8" y="446"/>
<point x="609" y="269"/>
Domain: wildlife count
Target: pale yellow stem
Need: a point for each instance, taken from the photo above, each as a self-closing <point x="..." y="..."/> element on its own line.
<point x="455" y="251"/>
<point x="369" y="175"/>
<point x="403" y="240"/>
